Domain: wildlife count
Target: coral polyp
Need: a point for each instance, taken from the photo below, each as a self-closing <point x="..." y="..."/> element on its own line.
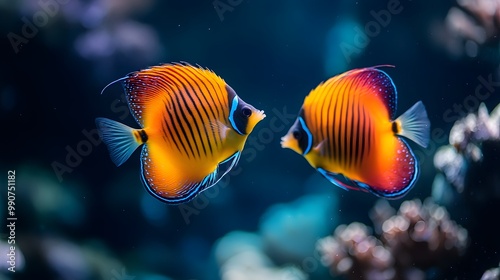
<point x="420" y="236"/>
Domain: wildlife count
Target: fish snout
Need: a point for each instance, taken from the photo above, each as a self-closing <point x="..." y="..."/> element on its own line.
<point x="261" y="114"/>
<point x="285" y="141"/>
<point x="254" y="119"/>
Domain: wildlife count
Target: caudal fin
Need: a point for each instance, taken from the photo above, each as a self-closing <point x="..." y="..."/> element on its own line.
<point x="119" y="138"/>
<point x="415" y="124"/>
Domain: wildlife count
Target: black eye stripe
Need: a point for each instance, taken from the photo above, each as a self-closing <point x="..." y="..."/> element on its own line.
<point x="237" y="117"/>
<point x="296" y="134"/>
<point x="302" y="135"/>
<point x="306" y="139"/>
<point x="247" y="112"/>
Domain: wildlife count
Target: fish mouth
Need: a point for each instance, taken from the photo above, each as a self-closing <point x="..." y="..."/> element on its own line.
<point x="261" y="115"/>
<point x="256" y="117"/>
<point x="284" y="141"/>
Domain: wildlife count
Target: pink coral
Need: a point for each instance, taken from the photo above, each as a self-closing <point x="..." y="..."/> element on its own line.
<point x="418" y="237"/>
<point x="472" y="24"/>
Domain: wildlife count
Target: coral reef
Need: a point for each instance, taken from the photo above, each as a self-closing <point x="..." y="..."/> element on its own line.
<point x="470" y="162"/>
<point x="418" y="237"/>
<point x="492" y="274"/>
<point x="468" y="182"/>
<point x="471" y="25"/>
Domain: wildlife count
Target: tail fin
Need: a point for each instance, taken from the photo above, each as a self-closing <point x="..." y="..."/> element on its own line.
<point x="415" y="125"/>
<point x="119" y="138"/>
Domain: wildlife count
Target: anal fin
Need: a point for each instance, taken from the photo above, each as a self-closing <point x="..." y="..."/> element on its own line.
<point x="342" y="181"/>
<point x="399" y="173"/>
<point x="226" y="165"/>
<point x="164" y="180"/>
<point x="222" y="169"/>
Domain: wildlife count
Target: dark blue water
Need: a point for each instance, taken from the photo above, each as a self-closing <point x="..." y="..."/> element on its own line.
<point x="81" y="217"/>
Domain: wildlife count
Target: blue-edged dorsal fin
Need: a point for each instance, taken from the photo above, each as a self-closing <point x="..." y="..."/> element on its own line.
<point x="373" y="81"/>
<point x="164" y="83"/>
<point x="143" y="86"/>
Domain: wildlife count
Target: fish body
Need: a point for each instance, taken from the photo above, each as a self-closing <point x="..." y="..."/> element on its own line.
<point x="193" y="127"/>
<point x="347" y="130"/>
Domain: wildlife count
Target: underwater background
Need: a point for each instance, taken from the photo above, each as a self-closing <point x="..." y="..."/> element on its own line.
<point x="78" y="216"/>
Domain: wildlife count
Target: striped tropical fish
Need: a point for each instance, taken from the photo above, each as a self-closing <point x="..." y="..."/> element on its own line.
<point x="346" y="130"/>
<point x="193" y="128"/>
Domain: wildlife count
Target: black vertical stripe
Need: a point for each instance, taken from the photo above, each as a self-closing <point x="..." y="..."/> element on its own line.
<point x="363" y="133"/>
<point x="210" y="113"/>
<point x="169" y="109"/>
<point x="167" y="134"/>
<point x="225" y="111"/>
<point x="318" y="116"/>
<point x="192" y="83"/>
<point x="205" y="120"/>
<point x="173" y="117"/>
<point x="345" y="123"/>
<point x="369" y="136"/>
<point x="338" y="123"/>
<point x="348" y="121"/>
<point x="218" y="108"/>
<point x="351" y="134"/>
<point x="341" y="130"/>
<point x="170" y="137"/>
<point x="355" y="129"/>
<point x="366" y="133"/>
<point x="180" y="84"/>
<point x="179" y="111"/>
<point x="322" y="115"/>
<point x="214" y="106"/>
<point x="194" y="112"/>
<point x="314" y="112"/>
<point x="187" y="108"/>
<point x="358" y="135"/>
<point x="328" y="121"/>
<point x="184" y="89"/>
<point x="345" y="135"/>
<point x="331" y="126"/>
<point x="335" y="142"/>
<point x="164" y="131"/>
<point x="199" y="126"/>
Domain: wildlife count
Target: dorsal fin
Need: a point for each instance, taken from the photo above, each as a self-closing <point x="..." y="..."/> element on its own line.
<point x="112" y="83"/>
<point x="370" y="80"/>
<point x="146" y="85"/>
<point x="162" y="81"/>
<point x="376" y="82"/>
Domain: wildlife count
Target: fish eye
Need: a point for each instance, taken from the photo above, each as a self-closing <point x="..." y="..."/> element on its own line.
<point x="296" y="134"/>
<point x="247" y="112"/>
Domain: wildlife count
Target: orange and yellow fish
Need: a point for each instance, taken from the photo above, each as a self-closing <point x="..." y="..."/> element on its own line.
<point x="193" y="127"/>
<point x="347" y="131"/>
